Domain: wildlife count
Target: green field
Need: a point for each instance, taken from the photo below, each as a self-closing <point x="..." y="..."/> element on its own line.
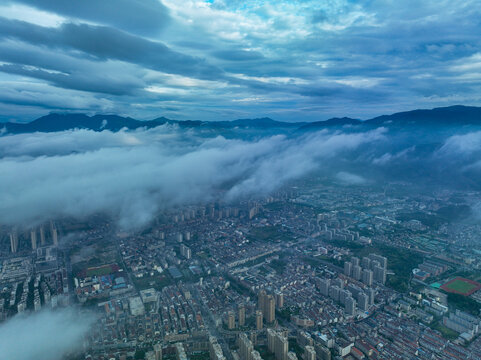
<point x="461" y="286"/>
<point x="270" y="234"/>
<point x="99" y="271"/>
<point x="446" y="332"/>
<point x="157" y="282"/>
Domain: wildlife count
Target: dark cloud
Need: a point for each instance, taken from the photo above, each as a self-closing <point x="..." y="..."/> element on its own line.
<point x="104" y="43"/>
<point x="23" y="97"/>
<point x="83" y="82"/>
<point x="270" y="58"/>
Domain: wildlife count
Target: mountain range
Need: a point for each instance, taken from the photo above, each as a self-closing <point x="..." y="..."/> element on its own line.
<point x="457" y="115"/>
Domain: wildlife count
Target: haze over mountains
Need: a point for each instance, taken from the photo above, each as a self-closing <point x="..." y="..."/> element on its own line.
<point x="76" y="165"/>
<point x="446" y="116"/>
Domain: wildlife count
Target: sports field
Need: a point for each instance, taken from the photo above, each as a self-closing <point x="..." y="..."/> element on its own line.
<point x="461" y="286"/>
<point x="101" y="270"/>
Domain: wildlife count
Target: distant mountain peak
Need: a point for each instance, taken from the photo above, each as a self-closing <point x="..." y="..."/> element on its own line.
<point x="336" y="121"/>
<point x="262" y="122"/>
<point x="450" y="115"/>
<point x="456" y="115"/>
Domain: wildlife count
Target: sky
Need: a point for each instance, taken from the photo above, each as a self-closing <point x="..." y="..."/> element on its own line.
<point x="220" y="60"/>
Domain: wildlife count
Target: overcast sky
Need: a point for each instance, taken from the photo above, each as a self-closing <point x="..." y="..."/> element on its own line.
<point x="221" y="60"/>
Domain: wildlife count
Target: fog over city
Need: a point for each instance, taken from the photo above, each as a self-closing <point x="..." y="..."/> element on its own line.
<point x="47" y="335"/>
<point x="131" y="175"/>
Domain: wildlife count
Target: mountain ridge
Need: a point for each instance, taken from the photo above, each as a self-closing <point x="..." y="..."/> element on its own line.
<point x="442" y="116"/>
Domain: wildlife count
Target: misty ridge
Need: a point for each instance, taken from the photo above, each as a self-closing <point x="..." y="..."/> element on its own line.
<point x="132" y="174"/>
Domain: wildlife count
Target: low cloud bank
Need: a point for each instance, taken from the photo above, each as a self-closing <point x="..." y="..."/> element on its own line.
<point x="47" y="335"/>
<point x="346" y="178"/>
<point x="133" y="174"/>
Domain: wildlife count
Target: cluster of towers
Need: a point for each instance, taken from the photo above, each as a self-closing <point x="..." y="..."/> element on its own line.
<point x="351" y="296"/>
<point x="372" y="267"/>
<point x="185" y="251"/>
<point x="266" y="311"/>
<point x="215" y="350"/>
<point x="267" y="304"/>
<point x="37" y="236"/>
<point x="278" y="344"/>
<point x="241" y="317"/>
<point x="246" y="349"/>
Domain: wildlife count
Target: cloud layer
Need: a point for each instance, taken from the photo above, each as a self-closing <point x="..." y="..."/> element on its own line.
<point x="211" y="60"/>
<point x="47" y="335"/>
<point x="133" y="174"/>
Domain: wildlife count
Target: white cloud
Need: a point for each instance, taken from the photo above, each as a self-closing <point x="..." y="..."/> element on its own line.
<point x="388" y="157"/>
<point x="65" y="142"/>
<point x="347" y="178"/>
<point x="47" y="335"/>
<point x="30" y="14"/>
<point x="465" y="144"/>
<point x="133" y="174"/>
<point x="358" y="82"/>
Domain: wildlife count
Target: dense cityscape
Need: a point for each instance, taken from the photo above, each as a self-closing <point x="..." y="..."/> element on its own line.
<point x="311" y="272"/>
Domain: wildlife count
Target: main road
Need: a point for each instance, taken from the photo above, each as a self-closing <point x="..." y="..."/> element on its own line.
<point x="211" y="326"/>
